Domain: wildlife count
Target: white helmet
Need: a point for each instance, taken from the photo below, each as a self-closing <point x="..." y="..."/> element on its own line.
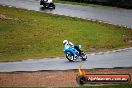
<point x="65" y="41"/>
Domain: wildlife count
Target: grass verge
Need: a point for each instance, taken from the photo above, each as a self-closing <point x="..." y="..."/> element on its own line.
<point x="29" y="34"/>
<point x="90" y="86"/>
<point x="107" y="86"/>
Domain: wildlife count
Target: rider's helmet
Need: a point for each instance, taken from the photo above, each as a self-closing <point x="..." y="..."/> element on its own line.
<point x="65" y="41"/>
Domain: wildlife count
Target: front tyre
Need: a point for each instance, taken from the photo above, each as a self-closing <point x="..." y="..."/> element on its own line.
<point x="69" y="56"/>
<point x="51" y="5"/>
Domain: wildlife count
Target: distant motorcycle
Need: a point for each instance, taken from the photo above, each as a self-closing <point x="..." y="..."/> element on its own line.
<point x="72" y="54"/>
<point x="46" y="4"/>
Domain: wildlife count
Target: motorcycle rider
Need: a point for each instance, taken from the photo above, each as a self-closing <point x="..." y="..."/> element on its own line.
<point x="48" y="1"/>
<point x="68" y="44"/>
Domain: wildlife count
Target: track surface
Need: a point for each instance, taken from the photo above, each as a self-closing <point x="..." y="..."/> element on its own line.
<point x="107" y="60"/>
<point x="108" y="14"/>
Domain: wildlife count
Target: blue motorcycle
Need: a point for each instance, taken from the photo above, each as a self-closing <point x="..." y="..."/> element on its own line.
<point x="73" y="54"/>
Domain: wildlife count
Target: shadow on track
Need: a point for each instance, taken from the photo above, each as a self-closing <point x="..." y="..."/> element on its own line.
<point x="46" y="9"/>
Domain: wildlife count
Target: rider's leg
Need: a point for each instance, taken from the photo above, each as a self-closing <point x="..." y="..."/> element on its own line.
<point x="77" y="48"/>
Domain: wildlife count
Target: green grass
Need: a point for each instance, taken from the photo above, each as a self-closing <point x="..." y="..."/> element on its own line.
<point x="94" y="86"/>
<point x="29" y="34"/>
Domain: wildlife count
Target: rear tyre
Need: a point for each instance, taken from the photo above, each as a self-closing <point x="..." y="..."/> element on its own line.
<point x="44" y="5"/>
<point x="84" y="56"/>
<point x="69" y="56"/>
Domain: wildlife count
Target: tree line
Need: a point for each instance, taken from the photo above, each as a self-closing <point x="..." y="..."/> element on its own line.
<point x="118" y="3"/>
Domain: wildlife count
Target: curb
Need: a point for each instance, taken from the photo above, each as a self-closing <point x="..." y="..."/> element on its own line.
<point x="112" y="51"/>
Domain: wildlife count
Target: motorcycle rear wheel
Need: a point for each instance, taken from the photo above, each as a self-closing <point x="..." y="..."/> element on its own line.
<point x="44" y="5"/>
<point x="84" y="56"/>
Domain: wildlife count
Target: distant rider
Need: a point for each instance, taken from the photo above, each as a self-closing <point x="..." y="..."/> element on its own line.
<point x="68" y="44"/>
<point x="48" y="1"/>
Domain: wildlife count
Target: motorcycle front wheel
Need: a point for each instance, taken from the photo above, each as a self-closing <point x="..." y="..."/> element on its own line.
<point x="51" y="5"/>
<point x="69" y="56"/>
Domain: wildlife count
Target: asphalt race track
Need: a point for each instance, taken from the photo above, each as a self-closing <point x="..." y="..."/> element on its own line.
<point x="108" y="14"/>
<point x="107" y="60"/>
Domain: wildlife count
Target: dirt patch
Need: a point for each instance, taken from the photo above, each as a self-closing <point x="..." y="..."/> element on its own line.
<point x="52" y="78"/>
<point x="44" y="78"/>
<point x="5" y="17"/>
